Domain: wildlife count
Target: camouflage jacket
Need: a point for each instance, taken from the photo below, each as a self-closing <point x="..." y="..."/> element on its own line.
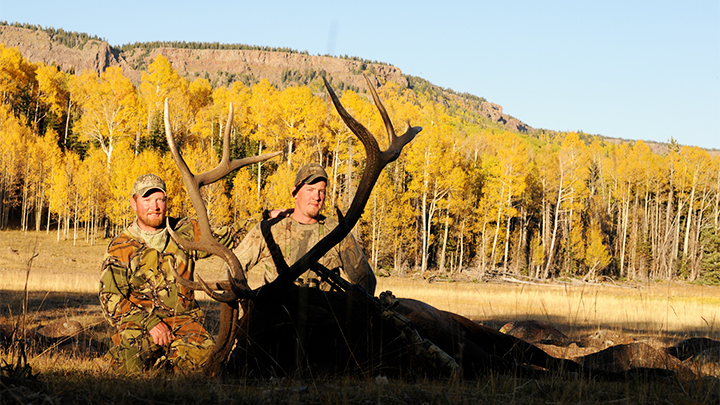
<point x="137" y="286"/>
<point x="294" y="240"/>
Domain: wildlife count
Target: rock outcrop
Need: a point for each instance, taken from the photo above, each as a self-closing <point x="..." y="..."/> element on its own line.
<point x="222" y="66"/>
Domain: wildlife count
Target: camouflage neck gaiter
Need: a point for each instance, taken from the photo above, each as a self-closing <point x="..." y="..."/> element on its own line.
<point x="155" y="239"/>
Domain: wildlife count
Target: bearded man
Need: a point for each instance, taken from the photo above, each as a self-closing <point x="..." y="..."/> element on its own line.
<point x="158" y="321"/>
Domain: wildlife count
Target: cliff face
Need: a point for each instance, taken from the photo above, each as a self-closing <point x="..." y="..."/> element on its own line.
<point x="260" y="65"/>
<point x="222" y="66"/>
<point x="37" y="46"/>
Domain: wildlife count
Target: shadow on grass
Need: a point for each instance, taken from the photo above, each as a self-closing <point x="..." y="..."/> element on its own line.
<point x="46" y="307"/>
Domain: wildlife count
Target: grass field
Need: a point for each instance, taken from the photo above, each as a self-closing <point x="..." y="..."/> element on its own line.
<point x="62" y="283"/>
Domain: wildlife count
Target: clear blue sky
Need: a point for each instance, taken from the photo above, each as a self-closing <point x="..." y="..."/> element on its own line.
<point x="629" y="69"/>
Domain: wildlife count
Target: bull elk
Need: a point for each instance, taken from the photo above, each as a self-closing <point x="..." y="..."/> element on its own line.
<point x="286" y="329"/>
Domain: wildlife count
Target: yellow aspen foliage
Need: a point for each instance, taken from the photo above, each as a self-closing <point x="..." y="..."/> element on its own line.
<point x="506" y="169"/>
<point x="62" y="197"/>
<point x="123" y="174"/>
<point x="52" y="92"/>
<point x="301" y="116"/>
<point x="200" y="93"/>
<point x="47" y="154"/>
<point x="240" y="96"/>
<point x="431" y="161"/>
<point x="277" y="191"/>
<point x="244" y="202"/>
<point x="93" y="181"/>
<point x="16" y="76"/>
<point x="264" y="115"/>
<point x="597" y="256"/>
<point x="162" y="82"/>
<point x="13" y="155"/>
<point x="109" y="107"/>
<point x="210" y="121"/>
<point x="574" y="243"/>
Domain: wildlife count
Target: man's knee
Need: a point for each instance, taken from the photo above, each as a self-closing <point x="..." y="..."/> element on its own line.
<point x="132" y="350"/>
<point x="191" y="348"/>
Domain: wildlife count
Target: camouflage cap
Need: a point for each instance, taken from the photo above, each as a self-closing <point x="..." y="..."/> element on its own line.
<point x="146" y="183"/>
<point x="308" y="174"/>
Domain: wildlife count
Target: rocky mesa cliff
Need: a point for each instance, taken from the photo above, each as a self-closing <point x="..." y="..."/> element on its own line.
<point x="227" y="65"/>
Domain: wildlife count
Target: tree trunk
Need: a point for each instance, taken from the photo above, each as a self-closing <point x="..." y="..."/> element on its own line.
<point x="349" y="173"/>
<point x="551" y="250"/>
<point x="497" y="226"/>
<point x="688" y="220"/>
<point x="462" y="246"/>
<point x="441" y="265"/>
<point x="259" y="172"/>
<point x="67" y="122"/>
<point x="623" y="235"/>
<point x="507" y="232"/>
<point x="424" y="233"/>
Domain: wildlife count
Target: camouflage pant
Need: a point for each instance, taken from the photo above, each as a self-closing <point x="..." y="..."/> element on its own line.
<point x="135" y="349"/>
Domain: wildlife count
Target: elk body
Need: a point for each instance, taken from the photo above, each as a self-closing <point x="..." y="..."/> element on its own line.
<point x="287" y="329"/>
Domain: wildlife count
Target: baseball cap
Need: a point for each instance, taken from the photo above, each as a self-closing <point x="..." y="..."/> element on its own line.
<point x="147" y="182"/>
<point x="308" y="174"/>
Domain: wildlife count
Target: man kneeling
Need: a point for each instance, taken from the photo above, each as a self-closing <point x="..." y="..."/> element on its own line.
<point x="157" y="319"/>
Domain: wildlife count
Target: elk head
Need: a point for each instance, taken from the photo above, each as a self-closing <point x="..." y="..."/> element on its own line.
<point x="235" y="288"/>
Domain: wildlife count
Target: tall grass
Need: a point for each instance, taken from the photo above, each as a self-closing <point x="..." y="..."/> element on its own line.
<point x="652" y="308"/>
<point x="63" y="283"/>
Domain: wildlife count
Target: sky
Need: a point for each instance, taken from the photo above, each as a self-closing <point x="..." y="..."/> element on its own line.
<point x="626" y="69"/>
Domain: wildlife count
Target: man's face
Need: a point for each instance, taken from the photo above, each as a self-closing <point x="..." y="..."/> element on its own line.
<point x="309" y="201"/>
<point x="150" y="210"/>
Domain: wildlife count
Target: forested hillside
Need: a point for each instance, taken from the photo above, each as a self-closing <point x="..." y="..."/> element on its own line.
<point x="466" y="196"/>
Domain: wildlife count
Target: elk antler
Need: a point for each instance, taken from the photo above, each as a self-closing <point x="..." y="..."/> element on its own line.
<point x="236" y="287"/>
<point x="376" y="162"/>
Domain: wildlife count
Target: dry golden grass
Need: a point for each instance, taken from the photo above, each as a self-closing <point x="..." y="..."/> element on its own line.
<point x="63" y="282"/>
<point x="654" y="308"/>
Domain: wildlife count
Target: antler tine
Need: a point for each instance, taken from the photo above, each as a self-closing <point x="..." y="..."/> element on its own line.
<point x="383" y="113"/>
<point x="369" y="142"/>
<point x="396" y="143"/>
<point x="376" y="159"/>
<point x="206" y="287"/>
<point x="207" y="242"/>
<point x="226" y="165"/>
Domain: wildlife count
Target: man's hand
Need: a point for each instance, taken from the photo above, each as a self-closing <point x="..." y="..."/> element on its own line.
<point x="161" y="334"/>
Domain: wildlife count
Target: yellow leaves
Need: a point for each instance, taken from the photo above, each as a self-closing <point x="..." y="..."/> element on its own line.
<point x="162" y="82"/>
<point x="597" y="256"/>
<point x="109" y="106"/>
<point x="15" y="74"/>
<point x="263" y="114"/>
<point x="52" y="90"/>
<point x="276" y="195"/>
<point x="494" y="189"/>
<point x="62" y="184"/>
<point x="13" y="135"/>
<point x="245" y="200"/>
